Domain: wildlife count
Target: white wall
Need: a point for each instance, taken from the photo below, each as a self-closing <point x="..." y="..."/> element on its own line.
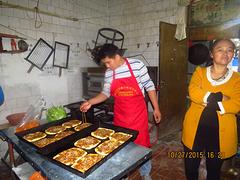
<point x="137" y="19"/>
<point x="139" y="22"/>
<point x="22" y="88"/>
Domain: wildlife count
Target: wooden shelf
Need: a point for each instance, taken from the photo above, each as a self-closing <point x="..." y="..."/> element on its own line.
<point x="12" y="52"/>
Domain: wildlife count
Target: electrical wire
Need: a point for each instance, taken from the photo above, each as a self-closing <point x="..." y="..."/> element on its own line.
<point x="37" y="15"/>
<point x="38" y="12"/>
<point x="17" y="32"/>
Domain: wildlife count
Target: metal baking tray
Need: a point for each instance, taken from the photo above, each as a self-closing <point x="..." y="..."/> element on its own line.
<point x="55" y="145"/>
<point x="88" y="133"/>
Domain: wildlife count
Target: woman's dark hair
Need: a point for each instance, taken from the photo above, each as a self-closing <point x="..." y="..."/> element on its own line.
<point x="219" y="40"/>
<point x="106" y="50"/>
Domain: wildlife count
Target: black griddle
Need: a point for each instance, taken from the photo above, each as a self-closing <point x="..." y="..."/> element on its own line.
<point x="53" y="149"/>
<point x="50" y="156"/>
<point x="55" y="145"/>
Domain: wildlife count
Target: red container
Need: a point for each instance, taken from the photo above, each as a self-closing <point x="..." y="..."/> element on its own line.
<point x="28" y="125"/>
<point x="14" y="119"/>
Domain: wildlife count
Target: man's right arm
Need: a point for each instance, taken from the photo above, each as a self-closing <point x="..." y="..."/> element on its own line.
<point x="95" y="100"/>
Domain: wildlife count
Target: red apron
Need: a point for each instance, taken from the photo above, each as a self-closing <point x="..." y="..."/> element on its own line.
<point x="130" y="109"/>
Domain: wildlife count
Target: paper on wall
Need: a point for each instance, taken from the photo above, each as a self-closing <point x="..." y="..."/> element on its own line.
<point x="6" y="42"/>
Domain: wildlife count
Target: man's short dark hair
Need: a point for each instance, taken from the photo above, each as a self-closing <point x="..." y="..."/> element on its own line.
<point x="106" y="50"/>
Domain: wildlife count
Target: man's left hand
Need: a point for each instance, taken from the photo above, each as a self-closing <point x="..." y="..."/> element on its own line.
<point x="157" y="116"/>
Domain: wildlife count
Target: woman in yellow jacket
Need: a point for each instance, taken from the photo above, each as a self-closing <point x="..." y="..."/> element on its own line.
<point x="210" y="127"/>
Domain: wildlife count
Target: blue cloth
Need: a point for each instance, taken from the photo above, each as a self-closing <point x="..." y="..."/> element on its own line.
<point x="1" y="96"/>
<point x="145" y="169"/>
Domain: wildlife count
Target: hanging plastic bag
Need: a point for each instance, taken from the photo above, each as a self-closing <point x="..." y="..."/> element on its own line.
<point x="180" y="33"/>
<point x="33" y="115"/>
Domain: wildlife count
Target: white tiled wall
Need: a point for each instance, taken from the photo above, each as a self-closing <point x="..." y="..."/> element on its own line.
<point x="139" y="22"/>
<point x="21" y="88"/>
<point x="137" y="19"/>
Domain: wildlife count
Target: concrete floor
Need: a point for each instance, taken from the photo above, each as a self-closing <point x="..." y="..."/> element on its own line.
<point x="163" y="166"/>
<point x="166" y="168"/>
<point x="5" y="173"/>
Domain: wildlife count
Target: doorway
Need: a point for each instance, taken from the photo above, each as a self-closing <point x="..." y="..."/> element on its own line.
<point x="172" y="79"/>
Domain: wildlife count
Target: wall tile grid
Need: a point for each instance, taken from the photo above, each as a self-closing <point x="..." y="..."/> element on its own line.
<point x="22" y="89"/>
<point x="137" y="19"/>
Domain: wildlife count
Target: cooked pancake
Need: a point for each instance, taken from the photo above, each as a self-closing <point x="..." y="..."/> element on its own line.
<point x="102" y="133"/>
<point x="63" y="134"/>
<point x="34" y="136"/>
<point x="120" y="136"/>
<point x="87" y="142"/>
<point x="107" y="147"/>
<point x="87" y="162"/>
<point x="70" y="156"/>
<point x="44" y="142"/>
<point x="54" y="130"/>
<point x="82" y="126"/>
<point x="72" y="123"/>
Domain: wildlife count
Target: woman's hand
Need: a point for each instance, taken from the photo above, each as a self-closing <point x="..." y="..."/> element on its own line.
<point x="157" y="116"/>
<point x="225" y="97"/>
<point x="84" y="107"/>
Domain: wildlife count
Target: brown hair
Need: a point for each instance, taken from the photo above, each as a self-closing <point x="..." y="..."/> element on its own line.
<point x="215" y="43"/>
